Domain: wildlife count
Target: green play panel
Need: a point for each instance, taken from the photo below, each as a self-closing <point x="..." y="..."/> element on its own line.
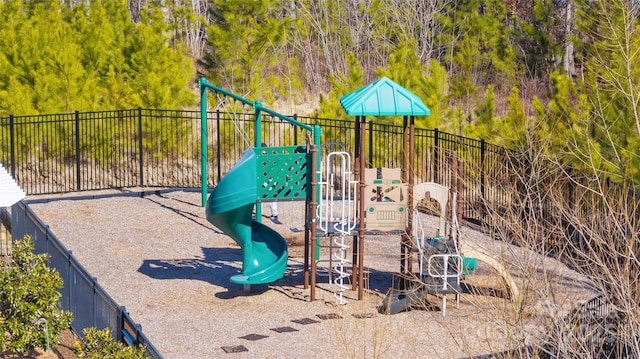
<point x="282" y="173"/>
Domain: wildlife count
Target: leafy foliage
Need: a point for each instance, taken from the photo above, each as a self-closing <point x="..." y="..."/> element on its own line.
<point x="100" y="344"/>
<point x="59" y="59"/>
<point x="466" y="59"/>
<point x="244" y="40"/>
<point x="28" y="292"/>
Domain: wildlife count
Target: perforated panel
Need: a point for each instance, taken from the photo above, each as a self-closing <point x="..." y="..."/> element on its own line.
<point x="282" y="173"/>
<point x="385" y="199"/>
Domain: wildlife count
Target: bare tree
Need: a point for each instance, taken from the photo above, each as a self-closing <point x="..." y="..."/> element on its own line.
<point x="417" y="20"/>
<point x="569" y="67"/>
<point x="592" y="225"/>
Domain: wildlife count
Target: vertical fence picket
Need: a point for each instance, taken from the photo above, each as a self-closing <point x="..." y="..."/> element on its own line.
<point x="483" y="194"/>
<point x="436" y="156"/>
<point x="140" y="148"/>
<point x="218" y="150"/>
<point x="12" y="135"/>
<point x="77" y="143"/>
<point x="295" y="129"/>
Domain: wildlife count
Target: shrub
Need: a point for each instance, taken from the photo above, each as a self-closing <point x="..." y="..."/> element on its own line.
<point x="29" y="294"/>
<point x="100" y="344"/>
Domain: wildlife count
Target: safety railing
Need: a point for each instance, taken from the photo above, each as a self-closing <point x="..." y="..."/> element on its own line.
<point x="81" y="294"/>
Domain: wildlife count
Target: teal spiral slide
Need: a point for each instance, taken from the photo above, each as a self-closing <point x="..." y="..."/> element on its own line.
<point x="230" y="208"/>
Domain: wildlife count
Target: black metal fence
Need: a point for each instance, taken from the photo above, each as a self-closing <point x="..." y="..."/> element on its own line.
<point x="596" y="329"/>
<point x="84" y="151"/>
<point x="90" y="304"/>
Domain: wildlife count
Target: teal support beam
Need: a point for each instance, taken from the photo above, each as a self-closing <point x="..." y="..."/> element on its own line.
<point x="258" y="143"/>
<point x="203" y="138"/>
<point x="259" y="109"/>
<point x="258" y="117"/>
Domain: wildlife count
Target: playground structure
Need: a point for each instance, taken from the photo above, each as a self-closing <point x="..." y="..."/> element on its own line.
<point x="342" y="202"/>
<point x="262" y="175"/>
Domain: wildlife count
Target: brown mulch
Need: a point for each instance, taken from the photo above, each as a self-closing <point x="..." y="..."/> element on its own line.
<point x="63" y="350"/>
<point x="158" y="256"/>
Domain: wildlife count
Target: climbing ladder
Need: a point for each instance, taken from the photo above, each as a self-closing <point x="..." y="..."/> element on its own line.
<point x="337" y="216"/>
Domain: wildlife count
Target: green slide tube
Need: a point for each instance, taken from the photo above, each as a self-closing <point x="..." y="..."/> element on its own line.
<point x="230" y="209"/>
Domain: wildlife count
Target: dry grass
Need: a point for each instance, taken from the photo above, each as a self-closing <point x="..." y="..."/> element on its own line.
<point x="160" y="258"/>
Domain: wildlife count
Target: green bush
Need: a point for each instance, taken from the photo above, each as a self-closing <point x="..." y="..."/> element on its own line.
<point x="29" y="314"/>
<point x="100" y="344"/>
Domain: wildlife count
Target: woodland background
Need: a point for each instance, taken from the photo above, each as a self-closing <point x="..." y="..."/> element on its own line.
<point x="560" y="76"/>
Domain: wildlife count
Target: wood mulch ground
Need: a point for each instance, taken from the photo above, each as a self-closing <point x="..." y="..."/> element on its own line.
<point x="63" y="350"/>
<point x="159" y="257"/>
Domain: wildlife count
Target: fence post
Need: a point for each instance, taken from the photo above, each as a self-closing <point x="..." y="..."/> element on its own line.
<point x="69" y="281"/>
<point x="295" y="130"/>
<point x="120" y="329"/>
<point x="95" y="305"/>
<point x="370" y="156"/>
<point x="78" y="182"/>
<point x="436" y="156"/>
<point x="140" y="147"/>
<point x="482" y="177"/>
<point x="218" y="155"/>
<point x="13" y="145"/>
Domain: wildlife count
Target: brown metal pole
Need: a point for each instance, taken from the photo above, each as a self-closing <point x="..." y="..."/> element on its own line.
<point x="361" y="209"/>
<point x="403" y="238"/>
<point x="307" y="236"/>
<point x="356" y="173"/>
<point x="310" y="249"/>
<point x="411" y="175"/>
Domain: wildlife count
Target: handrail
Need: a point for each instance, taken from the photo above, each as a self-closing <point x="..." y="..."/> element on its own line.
<point x="257" y="106"/>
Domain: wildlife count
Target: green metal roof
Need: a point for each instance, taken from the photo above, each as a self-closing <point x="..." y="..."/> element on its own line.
<point x="383" y="97"/>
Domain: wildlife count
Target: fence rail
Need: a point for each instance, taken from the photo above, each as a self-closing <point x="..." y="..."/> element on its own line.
<point x="81" y="294"/>
<point x="84" y="151"/>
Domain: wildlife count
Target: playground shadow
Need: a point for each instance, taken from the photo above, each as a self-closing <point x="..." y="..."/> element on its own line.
<point x="214" y="268"/>
<point x="194" y="216"/>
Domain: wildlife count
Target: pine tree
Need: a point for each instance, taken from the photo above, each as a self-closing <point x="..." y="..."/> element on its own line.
<point x="485" y="126"/>
<point x="539" y="39"/>
<point x="515" y="126"/>
<point x="406" y="70"/>
<point x="15" y="94"/>
<point x="611" y="44"/>
<point x="477" y="47"/>
<point x="159" y="75"/>
<point x="43" y="56"/>
<point x="434" y="90"/>
<point x="102" y="28"/>
<point x="244" y="39"/>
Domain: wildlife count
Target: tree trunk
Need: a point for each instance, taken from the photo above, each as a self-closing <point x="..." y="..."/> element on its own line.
<point x="569" y="67"/>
